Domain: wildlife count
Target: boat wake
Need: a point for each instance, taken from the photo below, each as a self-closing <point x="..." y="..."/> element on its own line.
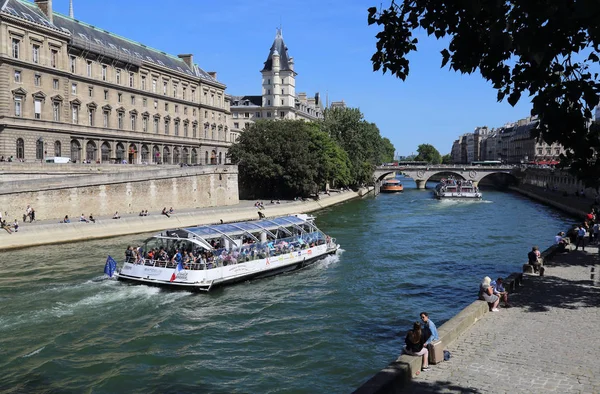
<point x="34" y="352"/>
<point x="329" y="260"/>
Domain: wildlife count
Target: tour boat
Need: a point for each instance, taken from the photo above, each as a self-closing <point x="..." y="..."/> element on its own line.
<point x="456" y="189"/>
<point x="226" y="253"/>
<point x="391" y="186"/>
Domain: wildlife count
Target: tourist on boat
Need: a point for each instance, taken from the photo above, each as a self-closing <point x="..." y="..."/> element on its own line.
<point x="414" y="345"/>
<point x="129" y="254"/>
<point x="429" y="330"/>
<point x="177" y="258"/>
<point x="486" y="292"/>
<point x="500" y="291"/>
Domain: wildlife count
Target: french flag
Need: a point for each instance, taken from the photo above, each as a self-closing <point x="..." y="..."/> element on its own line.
<point x="177" y="269"/>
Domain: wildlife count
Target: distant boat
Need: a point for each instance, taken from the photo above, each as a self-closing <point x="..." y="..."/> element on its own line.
<point x="391" y="186"/>
<point x="456" y="190"/>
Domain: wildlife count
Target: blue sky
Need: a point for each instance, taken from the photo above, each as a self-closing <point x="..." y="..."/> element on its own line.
<point x="331" y="44"/>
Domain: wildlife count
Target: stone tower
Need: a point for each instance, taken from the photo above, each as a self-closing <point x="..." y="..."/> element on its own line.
<point x="278" y="81"/>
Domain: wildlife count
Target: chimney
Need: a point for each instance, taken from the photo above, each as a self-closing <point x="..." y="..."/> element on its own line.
<point x="187" y="59"/>
<point x="71" y="14"/>
<point x="46" y="7"/>
<point x="213" y="74"/>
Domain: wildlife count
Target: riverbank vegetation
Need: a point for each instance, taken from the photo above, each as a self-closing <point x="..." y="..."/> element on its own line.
<point x="547" y="50"/>
<point x="294" y="158"/>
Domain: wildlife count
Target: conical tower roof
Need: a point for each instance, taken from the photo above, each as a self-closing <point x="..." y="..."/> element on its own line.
<point x="279" y="48"/>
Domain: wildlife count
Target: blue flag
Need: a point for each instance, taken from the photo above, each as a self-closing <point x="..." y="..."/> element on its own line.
<point x="110" y="266"/>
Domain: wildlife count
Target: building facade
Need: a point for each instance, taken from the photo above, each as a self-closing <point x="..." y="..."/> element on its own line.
<point x="278" y="99"/>
<point x="76" y="90"/>
<point x="513" y="143"/>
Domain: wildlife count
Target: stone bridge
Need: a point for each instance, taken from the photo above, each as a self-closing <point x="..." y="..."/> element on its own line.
<point x="421" y="174"/>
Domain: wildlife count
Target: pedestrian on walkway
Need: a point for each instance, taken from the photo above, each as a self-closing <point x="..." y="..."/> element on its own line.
<point x="414" y="345"/>
<point x="580" y="238"/>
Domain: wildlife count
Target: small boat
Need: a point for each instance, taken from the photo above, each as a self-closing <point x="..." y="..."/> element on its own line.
<point x="200" y="258"/>
<point x="456" y="190"/>
<point x="391" y="186"/>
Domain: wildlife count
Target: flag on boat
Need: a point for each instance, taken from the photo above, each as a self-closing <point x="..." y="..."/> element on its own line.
<point x="110" y="266"/>
<point x="177" y="269"/>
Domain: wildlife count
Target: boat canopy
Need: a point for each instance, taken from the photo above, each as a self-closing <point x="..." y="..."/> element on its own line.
<point x="241" y="228"/>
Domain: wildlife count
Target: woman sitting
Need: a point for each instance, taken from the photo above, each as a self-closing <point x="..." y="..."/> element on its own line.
<point x="414" y="345"/>
<point x="486" y="292"/>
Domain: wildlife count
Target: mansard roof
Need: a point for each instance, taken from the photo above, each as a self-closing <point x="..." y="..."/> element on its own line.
<point x="100" y="41"/>
<point x="279" y="48"/>
<point x="246" y="101"/>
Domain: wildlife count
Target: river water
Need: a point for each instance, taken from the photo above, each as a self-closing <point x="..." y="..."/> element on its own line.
<point x="324" y="329"/>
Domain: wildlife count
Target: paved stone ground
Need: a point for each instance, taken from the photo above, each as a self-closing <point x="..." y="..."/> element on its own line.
<point x="548" y="342"/>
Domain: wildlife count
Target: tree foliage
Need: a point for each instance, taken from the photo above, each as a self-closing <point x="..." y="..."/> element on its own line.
<point x="286" y="159"/>
<point x="547" y="49"/>
<point x="447" y="159"/>
<point x="428" y="153"/>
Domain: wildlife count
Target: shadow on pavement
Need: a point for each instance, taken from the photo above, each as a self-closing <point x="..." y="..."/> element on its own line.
<point x="437" y="387"/>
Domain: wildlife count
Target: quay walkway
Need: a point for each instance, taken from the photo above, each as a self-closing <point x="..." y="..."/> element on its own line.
<point x="549" y="341"/>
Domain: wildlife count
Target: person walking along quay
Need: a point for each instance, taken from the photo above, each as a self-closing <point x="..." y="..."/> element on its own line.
<point x="545" y="343"/>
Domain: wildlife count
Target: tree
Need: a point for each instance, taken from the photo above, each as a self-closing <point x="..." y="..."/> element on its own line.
<point x="428" y="153"/>
<point x="286" y="159"/>
<point x="447" y="159"/>
<point x="543" y="48"/>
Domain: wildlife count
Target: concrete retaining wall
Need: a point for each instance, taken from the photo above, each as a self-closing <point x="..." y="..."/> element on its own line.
<point x="548" y="201"/>
<point x="54" y="233"/>
<point x="102" y="194"/>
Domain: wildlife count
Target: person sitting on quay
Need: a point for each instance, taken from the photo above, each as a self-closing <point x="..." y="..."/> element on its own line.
<point x="66" y="219"/>
<point x="15" y="226"/>
<point x="82" y="218"/>
<point x="91" y="218"/>
<point x="164" y="212"/>
<point x="581" y="237"/>
<point x="5" y="226"/>
<point x="562" y="242"/>
<point x="486" y="292"/>
<point x="116" y="215"/>
<point x="500" y="291"/>
<point x="429" y="330"/>
<point x="533" y="258"/>
<point x="414" y="345"/>
<point x="171" y="211"/>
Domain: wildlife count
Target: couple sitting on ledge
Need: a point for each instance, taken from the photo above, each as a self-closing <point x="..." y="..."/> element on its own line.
<point x="419" y="339"/>
<point x="493" y="292"/>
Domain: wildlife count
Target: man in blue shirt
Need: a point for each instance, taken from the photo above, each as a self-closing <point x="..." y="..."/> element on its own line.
<point x="429" y="329"/>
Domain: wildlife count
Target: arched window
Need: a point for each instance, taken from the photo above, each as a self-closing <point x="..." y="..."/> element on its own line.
<point x="120" y="153"/>
<point x="105" y="151"/>
<point x="20" y="148"/>
<point x="155" y="154"/>
<point x="206" y="158"/>
<point x="57" y="150"/>
<point x="75" y="151"/>
<point x="132" y="154"/>
<point x="220" y="157"/>
<point x="194" y="156"/>
<point x="166" y="155"/>
<point x="145" y="153"/>
<point x="90" y="151"/>
<point x="185" y="157"/>
<point x="213" y="157"/>
<point x="39" y="149"/>
<point x="176" y="156"/>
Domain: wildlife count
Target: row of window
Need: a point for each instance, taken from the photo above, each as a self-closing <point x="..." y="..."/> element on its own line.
<point x="131" y="155"/>
<point x="119" y="76"/>
<point x="246" y="115"/>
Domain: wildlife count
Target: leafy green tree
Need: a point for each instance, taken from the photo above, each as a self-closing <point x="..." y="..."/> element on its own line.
<point x="546" y="49"/>
<point x="428" y="153"/>
<point x="286" y="159"/>
<point x="447" y="159"/>
<point x="387" y="150"/>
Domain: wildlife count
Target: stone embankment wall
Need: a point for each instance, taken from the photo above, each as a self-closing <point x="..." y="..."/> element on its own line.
<point x="55" y="233"/>
<point x="100" y="193"/>
<point x="553" y="178"/>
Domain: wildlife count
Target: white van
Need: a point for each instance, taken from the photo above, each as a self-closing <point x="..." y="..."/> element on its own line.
<point x="59" y="160"/>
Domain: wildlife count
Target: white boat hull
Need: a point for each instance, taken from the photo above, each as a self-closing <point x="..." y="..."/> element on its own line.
<point x="205" y="279"/>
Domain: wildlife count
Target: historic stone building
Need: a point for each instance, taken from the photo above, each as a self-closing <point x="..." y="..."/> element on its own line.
<point x="278" y="99"/>
<point x="71" y="89"/>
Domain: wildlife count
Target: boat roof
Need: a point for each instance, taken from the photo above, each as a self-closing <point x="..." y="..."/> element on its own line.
<point x="391" y="181"/>
<point x="239" y="228"/>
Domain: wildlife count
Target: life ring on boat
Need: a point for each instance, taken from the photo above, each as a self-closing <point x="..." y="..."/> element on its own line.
<point x="472" y="174"/>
